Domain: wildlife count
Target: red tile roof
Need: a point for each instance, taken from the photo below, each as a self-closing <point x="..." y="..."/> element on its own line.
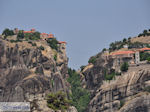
<point x="62" y="42"/>
<point x="27" y="31"/>
<point x="144" y="49"/>
<point x="32" y="31"/>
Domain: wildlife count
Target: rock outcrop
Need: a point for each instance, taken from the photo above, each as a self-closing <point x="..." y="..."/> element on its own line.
<point x="94" y="73"/>
<point x="28" y="73"/>
<point x="125" y="93"/>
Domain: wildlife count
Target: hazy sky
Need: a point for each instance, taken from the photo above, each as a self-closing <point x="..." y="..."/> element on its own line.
<point x="87" y="25"/>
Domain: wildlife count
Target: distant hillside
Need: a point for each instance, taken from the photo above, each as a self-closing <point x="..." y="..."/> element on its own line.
<point x="143" y="39"/>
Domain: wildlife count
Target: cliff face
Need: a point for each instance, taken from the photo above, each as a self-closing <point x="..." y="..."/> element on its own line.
<point x="94" y="73"/>
<point x="125" y="93"/>
<point x="28" y="73"/>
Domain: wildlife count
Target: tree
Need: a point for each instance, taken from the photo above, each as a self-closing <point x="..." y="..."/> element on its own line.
<point x="20" y="35"/>
<point x="148" y="60"/>
<point x="112" y="46"/>
<point x="80" y="96"/>
<point x="82" y="67"/>
<point x="144" y="56"/>
<point x="92" y="60"/>
<point x="7" y="32"/>
<point x="124" y="40"/>
<point x="58" y="101"/>
<point x="53" y="43"/>
<point x="104" y="49"/>
<point x="32" y="36"/>
<point x="124" y="67"/>
<point x="145" y="32"/>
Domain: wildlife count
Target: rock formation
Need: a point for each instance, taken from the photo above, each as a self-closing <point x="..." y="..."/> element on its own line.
<point x="28" y="73"/>
<point x="126" y="93"/>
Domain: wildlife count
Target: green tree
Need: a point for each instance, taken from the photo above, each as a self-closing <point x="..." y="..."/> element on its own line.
<point x="104" y="49"/>
<point x="112" y="46"/>
<point x="148" y="60"/>
<point x="124" y="40"/>
<point x="55" y="57"/>
<point x="53" y="43"/>
<point x="124" y="67"/>
<point x="41" y="47"/>
<point x="32" y="36"/>
<point x="7" y="32"/>
<point x="20" y="35"/>
<point x="58" y="101"/>
<point x="80" y="96"/>
<point x="145" y="32"/>
<point x="144" y="56"/>
<point x="92" y="60"/>
<point x="82" y="67"/>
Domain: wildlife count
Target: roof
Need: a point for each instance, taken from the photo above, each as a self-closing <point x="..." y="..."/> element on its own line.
<point x="62" y="42"/>
<point x="50" y="34"/>
<point x="43" y="34"/>
<point x="144" y="49"/>
<point x="27" y="31"/>
<point x="122" y="52"/>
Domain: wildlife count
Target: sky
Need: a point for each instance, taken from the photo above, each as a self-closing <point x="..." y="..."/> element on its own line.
<point x="87" y="26"/>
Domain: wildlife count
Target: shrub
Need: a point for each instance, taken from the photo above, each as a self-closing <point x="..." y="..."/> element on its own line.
<point x="55" y="57"/>
<point x="122" y="102"/>
<point x="13" y="41"/>
<point x="148" y="60"/>
<point x="92" y="60"/>
<point x="124" y="40"/>
<point x="104" y="49"/>
<point x="80" y="96"/>
<point x="33" y="44"/>
<point x="20" y="35"/>
<point x="145" y="32"/>
<point x="32" y="36"/>
<point x="136" y="45"/>
<point x="41" y="47"/>
<point x="82" y="67"/>
<point x="124" y="67"/>
<point x="58" y="101"/>
<point x="7" y="32"/>
<point x="111" y="75"/>
<point x="147" y="89"/>
<point x="144" y="56"/>
<point x="53" y="43"/>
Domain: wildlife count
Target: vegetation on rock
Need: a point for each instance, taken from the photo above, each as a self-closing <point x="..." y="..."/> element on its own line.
<point x="58" y="101"/>
<point x="122" y="102"/>
<point x="80" y="96"/>
<point x="8" y="32"/>
<point x="92" y="60"/>
<point x="55" y="57"/>
<point x="111" y="75"/>
<point x="144" y="56"/>
<point x="147" y="89"/>
<point x="82" y="67"/>
<point x="32" y="36"/>
<point x="124" y="67"/>
<point x="145" y="33"/>
<point x="53" y="43"/>
<point x="41" y="47"/>
<point x="20" y="35"/>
